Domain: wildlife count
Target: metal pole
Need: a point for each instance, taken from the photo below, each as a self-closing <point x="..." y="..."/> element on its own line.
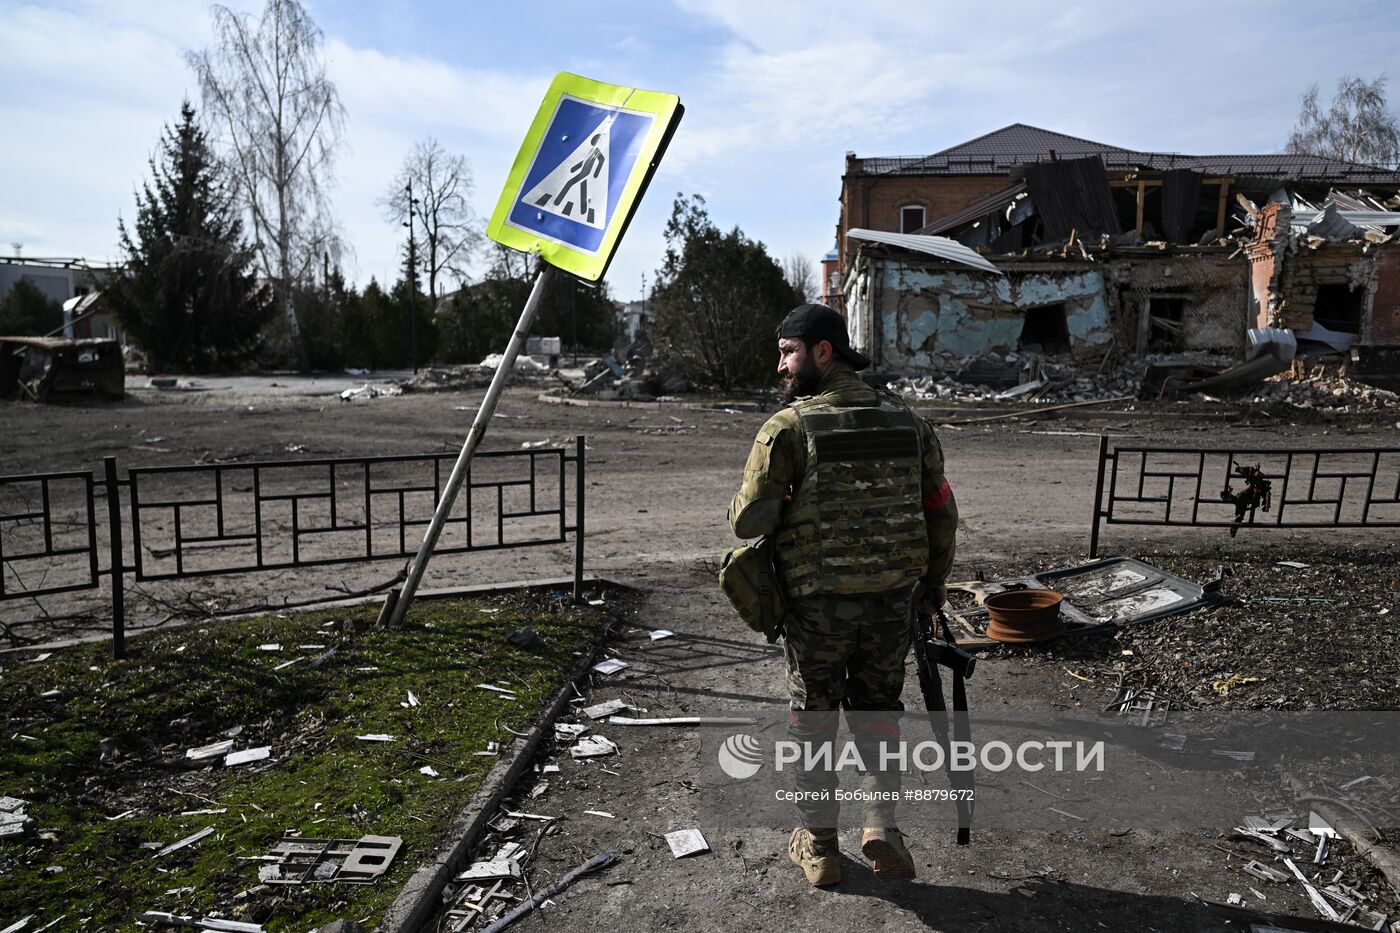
<point x="412" y="282"/>
<point x="114" y="536"/>
<point x="579" y="486"/>
<point x="464" y="459"/>
<point x="1098" y="498"/>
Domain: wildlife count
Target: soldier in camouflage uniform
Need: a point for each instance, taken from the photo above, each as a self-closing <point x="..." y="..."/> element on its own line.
<point x="850" y="482"/>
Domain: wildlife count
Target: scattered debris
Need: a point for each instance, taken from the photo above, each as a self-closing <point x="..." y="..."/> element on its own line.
<point x="353" y="861"/>
<point x="684" y="721"/>
<point x="685" y="842"/>
<point x="539" y="897"/>
<point x="369" y="391"/>
<point x="210" y="751"/>
<point x="375" y="737"/>
<point x="662" y="633"/>
<point x="609" y="666"/>
<point x="163" y="918"/>
<point x="188" y="840"/>
<point x="1223" y="687"/>
<point x="247" y="755"/>
<point x="490" y="871"/>
<point x="429" y="771"/>
<point x="598" y="711"/>
<point x="593" y="746"/>
<point x="602" y="813"/>
<point x="525" y="637"/>
<point x="13" y="820"/>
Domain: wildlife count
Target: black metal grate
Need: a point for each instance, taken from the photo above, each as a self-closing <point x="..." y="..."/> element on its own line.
<point x="1311" y="487"/>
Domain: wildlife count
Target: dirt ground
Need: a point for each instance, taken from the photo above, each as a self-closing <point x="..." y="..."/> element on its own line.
<point x="658" y="486"/>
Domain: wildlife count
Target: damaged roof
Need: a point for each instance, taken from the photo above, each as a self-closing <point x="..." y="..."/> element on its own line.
<point x="1018" y="144"/>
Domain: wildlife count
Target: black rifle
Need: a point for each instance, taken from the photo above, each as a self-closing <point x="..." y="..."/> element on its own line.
<point x="931" y="653"/>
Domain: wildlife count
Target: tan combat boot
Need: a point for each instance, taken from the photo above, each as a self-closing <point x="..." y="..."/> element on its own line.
<point x="816" y="854"/>
<point x="887" y="853"/>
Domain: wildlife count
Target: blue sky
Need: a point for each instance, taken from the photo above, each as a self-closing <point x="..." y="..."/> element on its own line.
<point x="775" y="94"/>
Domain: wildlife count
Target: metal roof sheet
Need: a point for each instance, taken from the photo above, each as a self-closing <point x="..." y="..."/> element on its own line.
<point x="942" y="247"/>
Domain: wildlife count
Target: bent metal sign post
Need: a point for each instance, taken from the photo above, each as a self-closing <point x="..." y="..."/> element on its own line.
<point x="586" y="161"/>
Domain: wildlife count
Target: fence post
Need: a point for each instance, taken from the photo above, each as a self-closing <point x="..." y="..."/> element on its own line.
<point x="114" y="522"/>
<point x="1098" y="498"/>
<point x="579" y="493"/>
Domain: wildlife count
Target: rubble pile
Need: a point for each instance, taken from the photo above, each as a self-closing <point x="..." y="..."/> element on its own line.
<point x="1324" y="390"/>
<point x="1024" y="377"/>
<point x="450" y="378"/>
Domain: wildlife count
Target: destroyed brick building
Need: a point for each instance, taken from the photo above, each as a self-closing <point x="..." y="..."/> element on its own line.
<point x="1110" y="250"/>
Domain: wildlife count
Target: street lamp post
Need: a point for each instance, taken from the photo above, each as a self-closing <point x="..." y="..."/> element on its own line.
<point x="412" y="280"/>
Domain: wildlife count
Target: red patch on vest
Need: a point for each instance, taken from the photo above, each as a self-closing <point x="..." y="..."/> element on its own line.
<point x="938" y="498"/>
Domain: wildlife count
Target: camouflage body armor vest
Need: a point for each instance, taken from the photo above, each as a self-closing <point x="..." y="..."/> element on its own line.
<point x="855" y="523"/>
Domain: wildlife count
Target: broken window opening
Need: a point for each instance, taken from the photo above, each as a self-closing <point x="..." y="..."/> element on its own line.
<point x="1338" y="307"/>
<point x="1045" y="329"/>
<point x="1167" y="333"/>
<point x="911" y="219"/>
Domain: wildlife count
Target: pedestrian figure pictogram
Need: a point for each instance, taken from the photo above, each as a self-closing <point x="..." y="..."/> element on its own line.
<point x="577" y="188"/>
<point x="581" y="171"/>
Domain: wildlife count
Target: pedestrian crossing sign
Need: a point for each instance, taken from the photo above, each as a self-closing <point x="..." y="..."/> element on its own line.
<point x="582" y="170"/>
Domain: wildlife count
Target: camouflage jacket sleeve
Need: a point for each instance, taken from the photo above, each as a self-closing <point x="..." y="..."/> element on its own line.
<point x="940" y="508"/>
<point x="768" y="477"/>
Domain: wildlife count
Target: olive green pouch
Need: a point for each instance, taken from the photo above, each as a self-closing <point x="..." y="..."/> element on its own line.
<point x="750" y="582"/>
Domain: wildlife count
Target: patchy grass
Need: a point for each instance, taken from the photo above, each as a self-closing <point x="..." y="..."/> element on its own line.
<point x="114" y="740"/>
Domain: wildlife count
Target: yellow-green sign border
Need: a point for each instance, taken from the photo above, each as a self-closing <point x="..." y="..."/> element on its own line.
<point x="591" y="266"/>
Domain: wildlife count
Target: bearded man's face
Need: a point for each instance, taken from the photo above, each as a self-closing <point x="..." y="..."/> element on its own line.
<point x="799" y="371"/>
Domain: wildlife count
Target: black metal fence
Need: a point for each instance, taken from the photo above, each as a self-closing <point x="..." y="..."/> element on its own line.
<point x="1246" y="488"/>
<point x="245" y="518"/>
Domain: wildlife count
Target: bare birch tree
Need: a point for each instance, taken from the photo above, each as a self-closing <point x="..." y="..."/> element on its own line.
<point x="442" y="185"/>
<point x="798" y="271"/>
<point x="1357" y="126"/>
<point x="264" y="84"/>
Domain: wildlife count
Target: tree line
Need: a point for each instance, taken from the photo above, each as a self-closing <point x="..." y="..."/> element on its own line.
<point x="233" y="258"/>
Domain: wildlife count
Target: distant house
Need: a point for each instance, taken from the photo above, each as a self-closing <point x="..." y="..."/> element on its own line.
<point x="75" y="284"/>
<point x="1104" y="248"/>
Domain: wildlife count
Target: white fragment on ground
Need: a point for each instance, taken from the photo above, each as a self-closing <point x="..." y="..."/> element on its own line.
<point x="210" y="751"/>
<point x="662" y="633"/>
<point x="570" y="729"/>
<point x="205" y="812"/>
<point x="1295" y="564"/>
<point x="604" y="709"/>
<point x="683" y="721"/>
<point x="593" y="746"/>
<point x="246" y="755"/>
<point x="188" y="840"/>
<point x="495" y="689"/>
<point x="685" y="842"/>
<point x="286" y="664"/>
<point x="429" y="771"/>
<point x="271" y="646"/>
<point x="412" y="700"/>
<point x="232" y="731"/>
<point x="41" y="657"/>
<point x="550" y="769"/>
<point x="375" y="737"/>
<point x="610" y="666"/>
<point x="595" y="602"/>
<point x="602" y="813"/>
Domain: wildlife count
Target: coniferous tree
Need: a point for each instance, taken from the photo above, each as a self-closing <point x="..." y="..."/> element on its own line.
<point x="189" y="300"/>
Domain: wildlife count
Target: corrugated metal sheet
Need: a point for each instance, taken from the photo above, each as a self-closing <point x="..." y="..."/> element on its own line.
<point x="1073" y="195"/>
<point x="992" y="202"/>
<point x="942" y="247"/>
<point x="1181" y="190"/>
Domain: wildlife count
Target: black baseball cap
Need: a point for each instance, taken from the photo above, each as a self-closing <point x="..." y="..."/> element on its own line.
<point x="813" y="322"/>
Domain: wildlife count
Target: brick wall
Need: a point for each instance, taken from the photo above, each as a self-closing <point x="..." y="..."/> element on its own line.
<point x="1385" y="306"/>
<point x="873" y="201"/>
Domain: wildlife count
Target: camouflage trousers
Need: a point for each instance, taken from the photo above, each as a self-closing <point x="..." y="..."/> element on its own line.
<point x="847" y="652"/>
